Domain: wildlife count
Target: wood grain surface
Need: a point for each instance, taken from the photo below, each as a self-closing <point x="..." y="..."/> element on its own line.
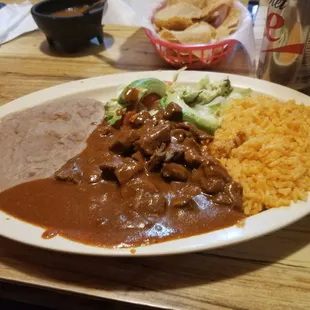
<point x="272" y="272"/>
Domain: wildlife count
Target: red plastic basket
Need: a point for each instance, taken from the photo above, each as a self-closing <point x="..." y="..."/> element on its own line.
<point x="193" y="56"/>
<point x="197" y="56"/>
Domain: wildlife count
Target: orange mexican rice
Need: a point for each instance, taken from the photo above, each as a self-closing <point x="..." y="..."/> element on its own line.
<point x="265" y="145"/>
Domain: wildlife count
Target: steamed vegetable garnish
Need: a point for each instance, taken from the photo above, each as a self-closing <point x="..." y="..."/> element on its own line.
<point x="177" y="73"/>
<point x="190" y="97"/>
<point x="202" y="104"/>
<point x="214" y="90"/>
<point x="113" y="111"/>
<point x="204" y="92"/>
<point x="204" y="82"/>
<point x="240" y="94"/>
<point x="203" y="118"/>
<point x="143" y="87"/>
<point x="187" y="93"/>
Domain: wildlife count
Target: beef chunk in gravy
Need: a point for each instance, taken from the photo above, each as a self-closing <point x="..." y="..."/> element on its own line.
<point x="174" y="172"/>
<point x="143" y="197"/>
<point x="122" y="168"/>
<point x="139" y="119"/>
<point x="173" y="112"/>
<point x="69" y="172"/>
<point x="197" y="133"/>
<point x="174" y="152"/>
<point x="124" y="140"/>
<point x="153" y="136"/>
<point x="192" y="158"/>
<point x="185" y="197"/>
<point x="157" y="158"/>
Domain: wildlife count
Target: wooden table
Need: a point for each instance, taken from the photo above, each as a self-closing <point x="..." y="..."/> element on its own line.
<point x="271" y="272"/>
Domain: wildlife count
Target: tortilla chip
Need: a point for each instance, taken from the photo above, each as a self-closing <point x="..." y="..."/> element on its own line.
<point x="230" y="24"/>
<point x="167" y="35"/>
<point x="174" y="23"/>
<point x="214" y="6"/>
<point x="199" y="33"/>
<point x="223" y="32"/>
<point x="219" y="16"/>
<point x="185" y="10"/>
<point x="198" y="3"/>
<point x="233" y="18"/>
<point x="177" y="17"/>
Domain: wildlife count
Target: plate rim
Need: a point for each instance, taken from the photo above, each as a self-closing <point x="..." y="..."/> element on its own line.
<point x="100" y="83"/>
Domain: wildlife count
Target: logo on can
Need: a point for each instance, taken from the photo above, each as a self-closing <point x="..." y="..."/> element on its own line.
<point x="284" y="57"/>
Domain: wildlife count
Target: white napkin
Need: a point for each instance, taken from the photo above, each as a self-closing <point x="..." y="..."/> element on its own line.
<point x="131" y="12"/>
<point x="15" y="19"/>
<point x="139" y="13"/>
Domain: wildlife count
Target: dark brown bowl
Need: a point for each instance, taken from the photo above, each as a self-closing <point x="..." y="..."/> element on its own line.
<point x="71" y="32"/>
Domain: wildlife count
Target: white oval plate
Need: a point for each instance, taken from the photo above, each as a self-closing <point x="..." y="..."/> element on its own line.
<point x="104" y="88"/>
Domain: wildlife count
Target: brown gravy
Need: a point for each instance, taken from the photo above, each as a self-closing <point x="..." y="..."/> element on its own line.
<point x="143" y="183"/>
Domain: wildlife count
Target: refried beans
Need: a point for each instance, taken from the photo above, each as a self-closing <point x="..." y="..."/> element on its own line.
<point x="143" y="181"/>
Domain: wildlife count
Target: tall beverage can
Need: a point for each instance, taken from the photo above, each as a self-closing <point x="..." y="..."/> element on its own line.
<point x="285" y="52"/>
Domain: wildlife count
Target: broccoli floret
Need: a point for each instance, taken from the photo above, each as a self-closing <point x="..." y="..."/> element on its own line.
<point x="221" y="88"/>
